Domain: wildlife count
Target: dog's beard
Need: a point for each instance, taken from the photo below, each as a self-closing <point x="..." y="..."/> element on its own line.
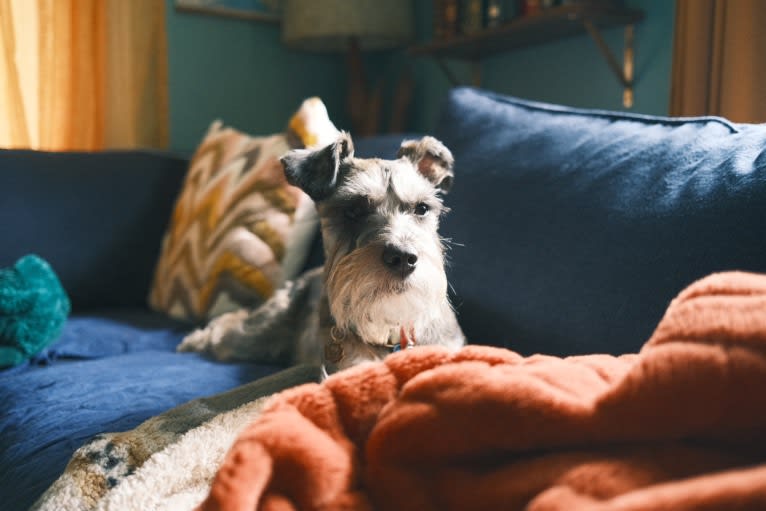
<point x="365" y="298"/>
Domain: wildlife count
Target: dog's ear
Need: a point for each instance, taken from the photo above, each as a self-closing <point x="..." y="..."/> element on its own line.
<point x="317" y="172"/>
<point x="432" y="159"/>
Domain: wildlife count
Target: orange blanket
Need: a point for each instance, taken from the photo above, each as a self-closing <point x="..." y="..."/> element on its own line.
<point x="680" y="425"/>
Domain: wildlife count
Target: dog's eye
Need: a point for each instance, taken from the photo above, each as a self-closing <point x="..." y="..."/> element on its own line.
<point x="422" y="208"/>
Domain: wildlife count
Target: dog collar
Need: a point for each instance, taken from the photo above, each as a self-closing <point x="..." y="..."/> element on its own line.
<point x="334" y="352"/>
<point x="401" y="339"/>
<point x="406" y="339"/>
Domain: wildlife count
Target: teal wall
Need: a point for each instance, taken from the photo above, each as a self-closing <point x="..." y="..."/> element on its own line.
<point x="573" y="71"/>
<point x="240" y="72"/>
<point x="569" y="71"/>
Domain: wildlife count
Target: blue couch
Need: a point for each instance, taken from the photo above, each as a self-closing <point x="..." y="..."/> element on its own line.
<point x="571" y="231"/>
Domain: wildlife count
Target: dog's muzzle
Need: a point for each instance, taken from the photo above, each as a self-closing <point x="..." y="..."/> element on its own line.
<point x="399" y="261"/>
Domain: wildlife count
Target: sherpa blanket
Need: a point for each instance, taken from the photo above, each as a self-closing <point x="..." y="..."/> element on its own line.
<point x="168" y="462"/>
<point x="679" y="425"/>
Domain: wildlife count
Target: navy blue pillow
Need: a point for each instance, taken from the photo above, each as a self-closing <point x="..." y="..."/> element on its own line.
<point x="573" y="229"/>
<point x="97" y="218"/>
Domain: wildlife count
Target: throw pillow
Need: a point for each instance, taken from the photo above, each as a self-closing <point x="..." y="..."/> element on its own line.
<point x="573" y="228"/>
<point x="238" y="229"/>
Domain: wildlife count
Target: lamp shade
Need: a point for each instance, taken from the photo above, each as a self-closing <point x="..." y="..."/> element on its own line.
<point x="330" y="25"/>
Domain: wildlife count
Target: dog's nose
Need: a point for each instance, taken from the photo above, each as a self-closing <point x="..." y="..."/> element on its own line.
<point x="399" y="261"/>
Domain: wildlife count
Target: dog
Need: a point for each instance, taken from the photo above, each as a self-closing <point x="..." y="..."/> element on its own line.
<point x="383" y="286"/>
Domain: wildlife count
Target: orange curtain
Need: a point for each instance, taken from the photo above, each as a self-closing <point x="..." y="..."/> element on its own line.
<point x="83" y="74"/>
<point x="719" y="59"/>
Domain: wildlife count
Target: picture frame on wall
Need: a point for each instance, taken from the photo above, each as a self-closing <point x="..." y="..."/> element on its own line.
<point x="268" y="11"/>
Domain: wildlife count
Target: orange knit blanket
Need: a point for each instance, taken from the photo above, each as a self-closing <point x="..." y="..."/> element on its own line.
<point x="680" y="425"/>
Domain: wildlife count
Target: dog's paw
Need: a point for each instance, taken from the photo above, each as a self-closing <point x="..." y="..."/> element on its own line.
<point x="220" y="339"/>
<point x="200" y="340"/>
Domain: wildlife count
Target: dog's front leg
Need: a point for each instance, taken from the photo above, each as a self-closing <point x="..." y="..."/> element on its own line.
<point x="270" y="334"/>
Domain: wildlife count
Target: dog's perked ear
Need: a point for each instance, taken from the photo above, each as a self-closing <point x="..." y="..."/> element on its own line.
<point x="432" y="159"/>
<point x="318" y="172"/>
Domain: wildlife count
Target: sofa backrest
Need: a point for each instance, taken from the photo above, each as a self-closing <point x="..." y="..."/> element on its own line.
<point x="97" y="218"/>
<point x="573" y="229"/>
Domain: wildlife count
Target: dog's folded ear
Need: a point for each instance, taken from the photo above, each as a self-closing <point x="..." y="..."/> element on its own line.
<point x="318" y="172"/>
<point x="432" y="159"/>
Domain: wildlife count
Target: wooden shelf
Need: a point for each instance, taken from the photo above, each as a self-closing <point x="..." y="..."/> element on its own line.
<point x="551" y="24"/>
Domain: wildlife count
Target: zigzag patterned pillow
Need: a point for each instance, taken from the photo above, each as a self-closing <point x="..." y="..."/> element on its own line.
<point x="238" y="229"/>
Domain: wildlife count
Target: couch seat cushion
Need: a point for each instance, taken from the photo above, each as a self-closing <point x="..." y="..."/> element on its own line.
<point x="109" y="371"/>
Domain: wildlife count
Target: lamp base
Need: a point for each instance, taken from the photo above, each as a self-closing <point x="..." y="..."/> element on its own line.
<point x="362" y="103"/>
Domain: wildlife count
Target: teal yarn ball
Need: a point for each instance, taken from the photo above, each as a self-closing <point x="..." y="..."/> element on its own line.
<point x="33" y="309"/>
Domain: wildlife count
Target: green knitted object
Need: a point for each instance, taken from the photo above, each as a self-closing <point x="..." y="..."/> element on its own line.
<point x="33" y="309"/>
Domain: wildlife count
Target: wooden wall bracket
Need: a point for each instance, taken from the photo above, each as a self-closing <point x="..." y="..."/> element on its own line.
<point x="623" y="73"/>
<point x="548" y="25"/>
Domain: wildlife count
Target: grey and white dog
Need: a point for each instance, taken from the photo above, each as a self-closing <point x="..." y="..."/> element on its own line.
<point x="383" y="286"/>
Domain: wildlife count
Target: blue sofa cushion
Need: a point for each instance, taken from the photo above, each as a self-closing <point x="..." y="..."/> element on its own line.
<point x="97" y="218"/>
<point x="573" y="229"/>
<point x="109" y="371"/>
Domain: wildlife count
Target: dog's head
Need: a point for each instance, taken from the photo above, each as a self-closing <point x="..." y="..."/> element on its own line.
<point x="384" y="257"/>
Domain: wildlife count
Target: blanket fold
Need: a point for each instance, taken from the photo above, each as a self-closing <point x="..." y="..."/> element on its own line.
<point x="676" y="426"/>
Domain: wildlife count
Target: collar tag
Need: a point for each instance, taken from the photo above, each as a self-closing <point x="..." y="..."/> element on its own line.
<point x="406" y="341"/>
